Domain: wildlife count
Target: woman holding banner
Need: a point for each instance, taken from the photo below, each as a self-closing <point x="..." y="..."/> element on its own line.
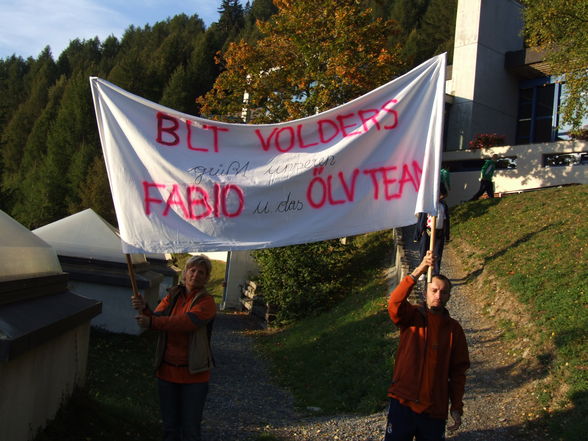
<point x="183" y="357"/>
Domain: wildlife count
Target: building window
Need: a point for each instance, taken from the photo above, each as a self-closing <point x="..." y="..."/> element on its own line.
<point x="565" y="159"/>
<point x="538" y="117"/>
<point x="538" y="104"/>
<point x="469" y="165"/>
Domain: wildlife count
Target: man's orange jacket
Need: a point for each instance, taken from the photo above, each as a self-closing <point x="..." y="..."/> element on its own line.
<point x="431" y="359"/>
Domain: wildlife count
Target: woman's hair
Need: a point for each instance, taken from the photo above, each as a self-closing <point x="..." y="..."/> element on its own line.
<point x="199" y="259"/>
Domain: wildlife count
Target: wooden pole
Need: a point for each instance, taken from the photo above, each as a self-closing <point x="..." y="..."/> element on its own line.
<point x="132" y="275"/>
<point x="432" y="246"/>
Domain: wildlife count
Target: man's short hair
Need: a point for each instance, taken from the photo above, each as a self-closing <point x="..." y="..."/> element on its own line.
<point x="199" y="259"/>
<point x="444" y="279"/>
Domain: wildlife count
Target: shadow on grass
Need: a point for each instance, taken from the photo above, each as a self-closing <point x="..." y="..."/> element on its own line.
<point x="375" y="252"/>
<point x="505" y="378"/>
<point x="473" y="209"/>
<point x="525" y="238"/>
<point x="119" y="399"/>
<point x="86" y="417"/>
<point x="467" y="278"/>
<point x="356" y="365"/>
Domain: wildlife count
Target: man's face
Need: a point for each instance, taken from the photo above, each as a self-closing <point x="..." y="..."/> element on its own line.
<point x="195" y="277"/>
<point x="437" y="293"/>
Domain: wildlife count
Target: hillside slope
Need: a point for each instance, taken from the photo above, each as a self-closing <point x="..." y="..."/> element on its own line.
<point x="526" y="256"/>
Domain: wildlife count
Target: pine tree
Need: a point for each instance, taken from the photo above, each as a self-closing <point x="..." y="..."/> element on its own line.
<point x="13" y="91"/>
<point x="437" y="30"/>
<point x="41" y="76"/>
<point x="95" y="191"/>
<point x="260" y="10"/>
<point x="29" y="203"/>
<point x="409" y="13"/>
<point x="109" y="50"/>
<point x="74" y="129"/>
<point x="12" y="86"/>
<point x="231" y="16"/>
<point x="79" y="54"/>
<point x="131" y="66"/>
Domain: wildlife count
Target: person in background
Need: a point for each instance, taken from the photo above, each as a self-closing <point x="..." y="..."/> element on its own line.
<point x="446" y="178"/>
<point x="486" y="178"/>
<point x="422" y="232"/>
<point x="183" y="357"/>
<point x="431" y="362"/>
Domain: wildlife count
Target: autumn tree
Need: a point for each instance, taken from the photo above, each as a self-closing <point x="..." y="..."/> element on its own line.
<point x="560" y="28"/>
<point x="313" y="55"/>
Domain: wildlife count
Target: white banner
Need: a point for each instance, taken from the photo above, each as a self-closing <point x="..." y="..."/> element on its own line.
<point x="182" y="183"/>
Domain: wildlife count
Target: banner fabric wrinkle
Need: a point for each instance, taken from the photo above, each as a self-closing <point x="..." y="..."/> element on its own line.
<point x="182" y="183"/>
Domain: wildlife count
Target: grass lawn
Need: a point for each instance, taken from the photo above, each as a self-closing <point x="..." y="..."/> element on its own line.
<point x="535" y="246"/>
<point x="119" y="401"/>
<point x="341" y="360"/>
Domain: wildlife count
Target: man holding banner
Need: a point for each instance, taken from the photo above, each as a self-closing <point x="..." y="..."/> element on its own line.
<point x="431" y="361"/>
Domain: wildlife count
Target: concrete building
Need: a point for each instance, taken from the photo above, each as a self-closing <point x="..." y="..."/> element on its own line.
<point x="240" y="268"/>
<point x="496" y="85"/>
<point x="162" y="264"/>
<point x="44" y="333"/>
<point x="90" y="251"/>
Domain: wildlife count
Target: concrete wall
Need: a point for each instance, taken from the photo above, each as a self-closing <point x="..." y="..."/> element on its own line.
<point x="529" y="174"/>
<point x="35" y="384"/>
<point x="485" y="94"/>
<point x="240" y="268"/>
<point x="117" y="314"/>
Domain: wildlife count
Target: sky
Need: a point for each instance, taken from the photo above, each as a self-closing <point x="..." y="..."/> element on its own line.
<point x="27" y="26"/>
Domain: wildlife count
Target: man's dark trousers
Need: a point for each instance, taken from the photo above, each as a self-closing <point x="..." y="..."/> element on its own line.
<point x="405" y="425"/>
<point x="485" y="186"/>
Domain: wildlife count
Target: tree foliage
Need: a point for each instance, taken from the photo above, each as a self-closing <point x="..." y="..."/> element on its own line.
<point x="313" y="55"/>
<point x="306" y="279"/>
<point x="302" y="57"/>
<point x="51" y="162"/>
<point x="560" y="28"/>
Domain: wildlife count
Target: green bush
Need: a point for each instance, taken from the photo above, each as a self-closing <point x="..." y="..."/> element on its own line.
<point x="302" y="280"/>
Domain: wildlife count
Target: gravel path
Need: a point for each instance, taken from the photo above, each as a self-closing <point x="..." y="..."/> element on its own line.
<point x="241" y="401"/>
<point x="244" y="403"/>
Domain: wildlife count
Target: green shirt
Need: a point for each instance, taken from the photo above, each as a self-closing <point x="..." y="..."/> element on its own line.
<point x="488" y="169"/>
